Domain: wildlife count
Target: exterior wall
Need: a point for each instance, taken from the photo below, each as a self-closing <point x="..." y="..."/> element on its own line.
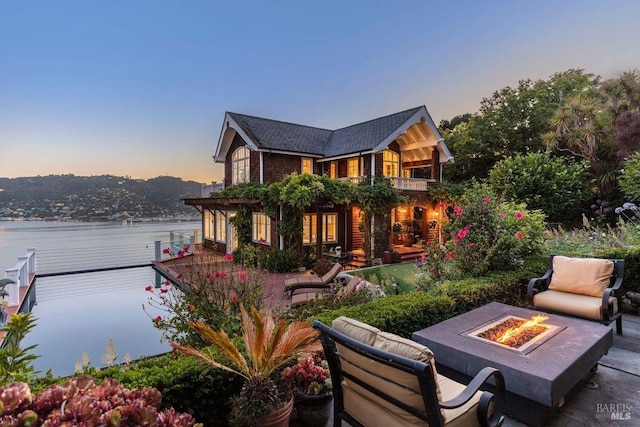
<point x="276" y="166"/>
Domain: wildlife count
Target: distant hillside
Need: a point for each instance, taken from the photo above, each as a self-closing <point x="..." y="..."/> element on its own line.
<point x="93" y="198"/>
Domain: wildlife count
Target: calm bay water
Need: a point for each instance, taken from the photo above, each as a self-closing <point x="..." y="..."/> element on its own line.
<point x="78" y="313"/>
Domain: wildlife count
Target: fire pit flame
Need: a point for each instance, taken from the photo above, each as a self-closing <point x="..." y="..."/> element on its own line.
<point x="512" y="332"/>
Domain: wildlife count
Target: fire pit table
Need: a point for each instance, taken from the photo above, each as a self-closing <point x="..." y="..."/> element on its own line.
<point x="539" y="373"/>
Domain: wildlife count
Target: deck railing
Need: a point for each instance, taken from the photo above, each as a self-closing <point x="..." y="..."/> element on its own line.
<point x="20" y="275"/>
<point x="179" y="240"/>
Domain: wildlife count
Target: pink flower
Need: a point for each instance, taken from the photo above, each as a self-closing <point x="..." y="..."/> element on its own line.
<point x="180" y="254"/>
<point x="234" y="299"/>
<point x="486" y="200"/>
<point x="451" y="255"/>
<point x="221" y="275"/>
<point x="463" y="233"/>
<point x="261" y="240"/>
<point x="457" y="211"/>
<point x="167" y="282"/>
<point x="503" y="215"/>
<point x="164" y="291"/>
<point x="519" y="235"/>
<point x="228" y="257"/>
<point x="166" y="251"/>
<point x="242" y="276"/>
<point x="158" y="319"/>
<point x="209" y="276"/>
<point x="148" y="288"/>
<point x="441" y="204"/>
<point x="191" y="307"/>
<point x="519" y="215"/>
<point x="186" y="248"/>
<point x="472" y="245"/>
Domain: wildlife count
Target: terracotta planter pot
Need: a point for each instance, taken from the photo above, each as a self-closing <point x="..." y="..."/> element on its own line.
<point x="313" y="411"/>
<point x="279" y="418"/>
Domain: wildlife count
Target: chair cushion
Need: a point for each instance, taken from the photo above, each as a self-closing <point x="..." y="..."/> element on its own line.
<point x="574" y="304"/>
<point x="304" y="280"/>
<point x="583" y="276"/>
<point x="355" y="329"/>
<point x="303" y="298"/>
<point x="331" y="274"/>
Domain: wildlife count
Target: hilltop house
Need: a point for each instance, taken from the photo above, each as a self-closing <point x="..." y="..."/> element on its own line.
<point x="404" y="147"/>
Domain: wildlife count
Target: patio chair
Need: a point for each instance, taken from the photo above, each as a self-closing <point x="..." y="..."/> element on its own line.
<point x="589" y="288"/>
<point x="381" y="379"/>
<point x="322" y="282"/>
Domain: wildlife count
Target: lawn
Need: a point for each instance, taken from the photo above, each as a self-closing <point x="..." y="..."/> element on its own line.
<point x="385" y="275"/>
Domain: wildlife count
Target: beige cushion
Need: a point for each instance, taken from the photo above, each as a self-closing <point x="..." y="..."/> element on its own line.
<point x="355" y="329"/>
<point x="372" y="410"/>
<point x="331" y="274"/>
<point x="303" y="298"/>
<point x="573" y="304"/>
<point x="375" y="412"/>
<point x="584" y="276"/>
<point x="305" y="280"/>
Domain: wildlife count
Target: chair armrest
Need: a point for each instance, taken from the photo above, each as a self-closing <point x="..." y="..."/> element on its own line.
<point x="532" y="289"/>
<point x="486" y="419"/>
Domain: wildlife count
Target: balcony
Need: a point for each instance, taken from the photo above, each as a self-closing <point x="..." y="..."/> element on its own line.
<point x="413" y="184"/>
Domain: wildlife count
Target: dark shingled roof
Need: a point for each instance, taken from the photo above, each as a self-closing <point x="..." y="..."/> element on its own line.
<point x="277" y="135"/>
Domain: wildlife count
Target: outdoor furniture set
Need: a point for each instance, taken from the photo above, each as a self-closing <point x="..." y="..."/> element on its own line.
<point x="381" y="379"/>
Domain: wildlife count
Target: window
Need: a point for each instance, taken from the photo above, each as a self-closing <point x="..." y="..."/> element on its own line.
<point x="221" y="227"/>
<point x="406" y="173"/>
<point x="240" y="165"/>
<point x="261" y="228"/>
<point x="209" y="224"/>
<point x="353" y="168"/>
<point x="390" y="163"/>
<point x="307" y="165"/>
<point x="329" y="228"/>
<point x="333" y="170"/>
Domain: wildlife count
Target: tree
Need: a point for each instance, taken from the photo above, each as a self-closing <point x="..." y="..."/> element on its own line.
<point x="555" y="185"/>
<point x="511" y="121"/>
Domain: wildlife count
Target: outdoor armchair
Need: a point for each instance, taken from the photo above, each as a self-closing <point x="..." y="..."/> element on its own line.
<point x="589" y="288"/>
<point x="381" y="379"/>
<point x="313" y="282"/>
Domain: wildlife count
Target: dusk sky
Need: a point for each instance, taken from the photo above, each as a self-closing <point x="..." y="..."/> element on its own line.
<point x="140" y="87"/>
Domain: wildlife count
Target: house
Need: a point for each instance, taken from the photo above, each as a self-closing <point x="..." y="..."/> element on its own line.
<point x="404" y="147"/>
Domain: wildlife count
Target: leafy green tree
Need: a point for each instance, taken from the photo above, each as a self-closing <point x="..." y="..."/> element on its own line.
<point x="511" y="121"/>
<point x="555" y="185"/>
<point x="630" y="178"/>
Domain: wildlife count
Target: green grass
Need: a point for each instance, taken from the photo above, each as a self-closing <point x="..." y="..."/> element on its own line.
<point x="385" y="275"/>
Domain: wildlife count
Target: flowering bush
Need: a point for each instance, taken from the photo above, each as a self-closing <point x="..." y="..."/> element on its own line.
<point x="212" y="292"/>
<point x="486" y="234"/>
<point x="309" y="376"/>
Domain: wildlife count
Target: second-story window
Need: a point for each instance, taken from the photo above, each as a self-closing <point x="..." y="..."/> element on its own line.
<point x="307" y="165"/>
<point x="333" y="169"/>
<point x="353" y="168"/>
<point x="240" y="165"/>
<point x="390" y="163"/>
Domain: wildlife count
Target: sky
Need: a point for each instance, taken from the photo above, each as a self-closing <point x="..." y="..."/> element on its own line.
<point x="139" y="88"/>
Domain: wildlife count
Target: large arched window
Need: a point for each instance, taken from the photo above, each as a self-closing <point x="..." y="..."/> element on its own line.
<point x="390" y="163"/>
<point x="240" y="165"/>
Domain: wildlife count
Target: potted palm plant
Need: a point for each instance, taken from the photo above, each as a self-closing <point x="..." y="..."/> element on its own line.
<point x="269" y="346"/>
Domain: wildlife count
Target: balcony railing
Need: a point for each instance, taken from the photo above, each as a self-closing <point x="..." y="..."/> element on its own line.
<point x="353" y="179"/>
<point x="416" y="184"/>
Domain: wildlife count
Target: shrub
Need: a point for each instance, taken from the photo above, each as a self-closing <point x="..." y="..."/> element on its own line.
<point x="487" y="234"/>
<point x="278" y="261"/>
<point x="555" y="185"/>
<point x="630" y="176"/>
<point x="322" y="267"/>
<point x="213" y="291"/>
<point x="86" y="403"/>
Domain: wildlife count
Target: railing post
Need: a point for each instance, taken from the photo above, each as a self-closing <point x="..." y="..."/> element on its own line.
<point x="23" y="262"/>
<point x="31" y="253"/>
<point x="13" y="288"/>
<point x="158" y="250"/>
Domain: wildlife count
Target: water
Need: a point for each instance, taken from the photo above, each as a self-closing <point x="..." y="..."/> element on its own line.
<point x="79" y="313"/>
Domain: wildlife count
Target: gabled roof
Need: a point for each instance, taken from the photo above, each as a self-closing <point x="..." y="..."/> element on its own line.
<point x="273" y="135"/>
